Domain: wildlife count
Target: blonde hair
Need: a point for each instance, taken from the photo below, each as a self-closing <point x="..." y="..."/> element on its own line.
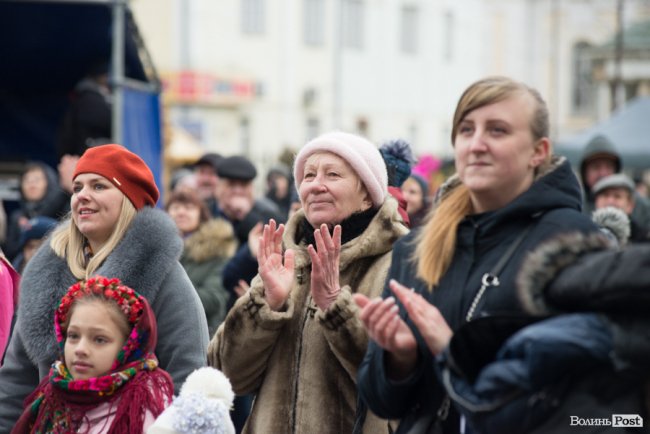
<point x="68" y="243"/>
<point x="436" y="242"/>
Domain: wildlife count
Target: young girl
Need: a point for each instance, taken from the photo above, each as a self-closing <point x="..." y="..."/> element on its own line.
<point x="107" y="379"/>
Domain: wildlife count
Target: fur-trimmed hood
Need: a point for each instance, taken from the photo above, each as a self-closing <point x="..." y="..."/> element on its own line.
<point x="214" y="239"/>
<point x="385" y="228"/>
<point x="543" y="265"/>
<point x="142" y="260"/>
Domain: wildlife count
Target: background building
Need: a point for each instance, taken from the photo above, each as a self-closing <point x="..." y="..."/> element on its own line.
<point x="258" y="76"/>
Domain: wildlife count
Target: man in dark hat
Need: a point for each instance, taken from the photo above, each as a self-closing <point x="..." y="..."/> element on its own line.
<point x="236" y="197"/>
<point x="207" y="180"/>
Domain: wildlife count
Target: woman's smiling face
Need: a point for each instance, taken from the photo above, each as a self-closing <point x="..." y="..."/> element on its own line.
<point x="96" y="205"/>
<point x="331" y="191"/>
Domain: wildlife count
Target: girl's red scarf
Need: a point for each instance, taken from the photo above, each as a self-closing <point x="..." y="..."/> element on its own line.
<point x="134" y="387"/>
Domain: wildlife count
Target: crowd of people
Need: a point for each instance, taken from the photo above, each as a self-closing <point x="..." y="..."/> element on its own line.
<point x="357" y="295"/>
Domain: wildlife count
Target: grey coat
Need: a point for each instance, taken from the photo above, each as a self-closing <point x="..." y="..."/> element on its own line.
<point x="146" y="260"/>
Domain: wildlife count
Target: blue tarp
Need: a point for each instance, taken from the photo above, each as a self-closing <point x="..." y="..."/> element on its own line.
<point x="142" y="128"/>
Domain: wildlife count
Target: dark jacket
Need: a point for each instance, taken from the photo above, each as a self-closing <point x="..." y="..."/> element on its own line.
<point x="206" y="252"/>
<point x="147" y="260"/>
<point x="55" y="204"/>
<point x="522" y="384"/>
<point x="550" y="206"/>
<point x="598" y="146"/>
<point x="88" y="120"/>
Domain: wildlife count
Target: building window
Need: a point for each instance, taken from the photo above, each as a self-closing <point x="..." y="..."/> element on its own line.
<point x="352" y="23"/>
<point x="245" y="135"/>
<point x="313" y="128"/>
<point x="252" y="16"/>
<point x="583" y="85"/>
<point x="409" y="30"/>
<point x="313" y="22"/>
<point x="448" y="36"/>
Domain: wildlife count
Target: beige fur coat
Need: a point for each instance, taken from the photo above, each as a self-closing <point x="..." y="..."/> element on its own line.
<point x="302" y="363"/>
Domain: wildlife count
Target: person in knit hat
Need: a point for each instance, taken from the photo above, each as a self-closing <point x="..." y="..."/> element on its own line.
<point x="398" y="156"/>
<point x="113" y="230"/>
<point x="202" y="407"/>
<point x="416" y="193"/>
<point x="294" y="338"/>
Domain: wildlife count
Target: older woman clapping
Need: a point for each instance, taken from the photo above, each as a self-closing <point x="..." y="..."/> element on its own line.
<point x="294" y="338"/>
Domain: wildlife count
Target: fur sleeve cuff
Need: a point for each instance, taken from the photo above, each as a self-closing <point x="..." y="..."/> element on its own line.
<point x="260" y="312"/>
<point x="339" y="312"/>
<point x="544" y="263"/>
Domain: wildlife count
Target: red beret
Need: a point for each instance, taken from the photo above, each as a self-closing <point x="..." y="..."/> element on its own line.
<point x="124" y="169"/>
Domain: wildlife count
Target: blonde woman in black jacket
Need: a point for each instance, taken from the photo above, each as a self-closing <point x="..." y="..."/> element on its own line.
<point x="509" y="194"/>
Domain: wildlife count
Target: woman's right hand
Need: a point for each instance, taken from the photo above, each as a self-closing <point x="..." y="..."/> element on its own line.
<point x="276" y="269"/>
<point x="384" y="325"/>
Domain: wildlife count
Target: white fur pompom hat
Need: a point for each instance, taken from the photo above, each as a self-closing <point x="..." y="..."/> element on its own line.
<point x="203" y="406"/>
<point x="361" y="154"/>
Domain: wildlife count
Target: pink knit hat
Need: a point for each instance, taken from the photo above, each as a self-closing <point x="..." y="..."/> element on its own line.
<point x="361" y="155"/>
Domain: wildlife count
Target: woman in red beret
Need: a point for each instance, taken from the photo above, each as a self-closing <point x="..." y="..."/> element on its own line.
<point x="113" y="230"/>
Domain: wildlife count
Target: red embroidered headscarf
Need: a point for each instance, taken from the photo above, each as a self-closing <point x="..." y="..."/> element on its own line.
<point x="135" y="385"/>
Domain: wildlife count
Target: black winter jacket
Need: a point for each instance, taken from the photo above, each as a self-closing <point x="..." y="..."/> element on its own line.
<point x="550" y="206"/>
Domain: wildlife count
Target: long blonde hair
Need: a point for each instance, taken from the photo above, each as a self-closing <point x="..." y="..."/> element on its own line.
<point x="436" y="242"/>
<point x="68" y="243"/>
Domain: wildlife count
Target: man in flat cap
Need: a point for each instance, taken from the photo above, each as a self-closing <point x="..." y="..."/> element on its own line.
<point x="236" y="197"/>
<point x="207" y="180"/>
<point x="617" y="190"/>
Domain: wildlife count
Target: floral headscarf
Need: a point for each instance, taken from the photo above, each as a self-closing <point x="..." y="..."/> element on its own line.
<point x="134" y="385"/>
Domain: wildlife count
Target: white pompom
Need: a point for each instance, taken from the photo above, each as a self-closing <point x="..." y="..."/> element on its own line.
<point x="211" y="383"/>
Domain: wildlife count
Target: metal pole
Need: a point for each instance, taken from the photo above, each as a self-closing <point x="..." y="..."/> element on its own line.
<point x="117" y="70"/>
<point x="337" y="63"/>
<point x="619" y="89"/>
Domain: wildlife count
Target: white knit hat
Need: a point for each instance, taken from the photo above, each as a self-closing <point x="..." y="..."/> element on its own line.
<point x="203" y="406"/>
<point x="361" y="155"/>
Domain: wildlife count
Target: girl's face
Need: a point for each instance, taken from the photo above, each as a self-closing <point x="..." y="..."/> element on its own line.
<point x="96" y="205"/>
<point x="34" y="185"/>
<point x="93" y="340"/>
<point x="413" y="195"/>
<point x="496" y="154"/>
<point x="330" y="190"/>
<point x="187" y="216"/>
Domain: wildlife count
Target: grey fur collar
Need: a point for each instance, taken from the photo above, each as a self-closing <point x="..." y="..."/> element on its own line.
<point x="384" y="229"/>
<point x="544" y="263"/>
<point x="142" y="260"/>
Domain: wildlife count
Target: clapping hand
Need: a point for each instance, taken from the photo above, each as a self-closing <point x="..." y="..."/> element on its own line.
<point x="275" y="269"/>
<point x="385" y="327"/>
<point x="325" y="266"/>
<point x="426" y="317"/>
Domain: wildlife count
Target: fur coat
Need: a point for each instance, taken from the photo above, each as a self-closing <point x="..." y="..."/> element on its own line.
<point x="206" y="252"/>
<point x="146" y="260"/>
<point x="302" y="363"/>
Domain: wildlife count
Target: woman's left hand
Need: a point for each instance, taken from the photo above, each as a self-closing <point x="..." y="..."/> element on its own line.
<point x="325" y="266"/>
<point x="426" y="317"/>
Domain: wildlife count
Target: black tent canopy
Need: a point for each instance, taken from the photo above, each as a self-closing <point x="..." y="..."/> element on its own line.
<point x="628" y="128"/>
